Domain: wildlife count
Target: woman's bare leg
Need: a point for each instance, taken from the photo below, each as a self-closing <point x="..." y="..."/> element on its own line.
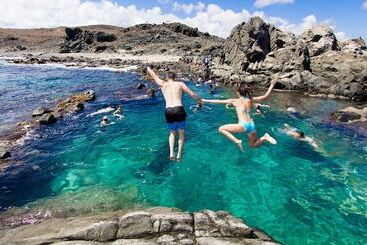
<point x="171" y="140"/>
<point x="229" y="129"/>
<point x="255" y="142"/>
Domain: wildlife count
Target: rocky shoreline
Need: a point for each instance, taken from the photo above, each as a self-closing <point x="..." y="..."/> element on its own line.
<point x="150" y="226"/>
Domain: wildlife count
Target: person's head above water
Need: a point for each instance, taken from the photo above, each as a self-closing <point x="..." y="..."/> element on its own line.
<point x="300" y="134"/>
<point x="171" y="75"/>
<point x="105" y="119"/>
<point x="245" y="90"/>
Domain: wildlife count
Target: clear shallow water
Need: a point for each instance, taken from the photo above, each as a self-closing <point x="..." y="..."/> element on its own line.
<point x="294" y="193"/>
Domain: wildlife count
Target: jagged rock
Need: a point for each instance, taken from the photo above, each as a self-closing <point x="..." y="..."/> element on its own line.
<point x="345" y="116"/>
<point x="319" y="40"/>
<point x="140" y="86"/>
<point x="248" y="42"/>
<point x="151" y="93"/>
<point x="47" y="119"/>
<point x="356" y="46"/>
<point x="100" y="48"/>
<point x="91" y="95"/>
<point x="280" y="39"/>
<point x="79" y="107"/>
<point x="105" y="37"/>
<point x="4" y="154"/>
<point x="40" y="111"/>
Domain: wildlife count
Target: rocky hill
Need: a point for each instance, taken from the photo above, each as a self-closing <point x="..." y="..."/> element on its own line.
<point x="172" y="38"/>
<point x="314" y="62"/>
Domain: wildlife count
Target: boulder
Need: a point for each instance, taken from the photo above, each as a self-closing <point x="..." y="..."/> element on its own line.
<point x="100" y="48"/>
<point x="91" y="95"/>
<point x="151" y="93"/>
<point x="4" y="154"/>
<point x="40" y="111"/>
<point x="135" y="225"/>
<point x="248" y="43"/>
<point x="105" y="37"/>
<point x="319" y="40"/>
<point x="345" y="116"/>
<point x="356" y="46"/>
<point x="47" y="119"/>
<point x="140" y="86"/>
<point x="79" y="107"/>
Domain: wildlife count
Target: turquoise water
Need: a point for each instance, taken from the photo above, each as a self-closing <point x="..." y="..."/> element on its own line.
<point x="296" y="194"/>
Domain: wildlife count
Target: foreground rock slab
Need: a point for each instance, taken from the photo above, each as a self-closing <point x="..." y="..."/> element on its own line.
<point x="151" y="226"/>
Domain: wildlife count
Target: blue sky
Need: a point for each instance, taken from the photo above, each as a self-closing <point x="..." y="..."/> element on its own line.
<point x="348" y="18"/>
<point x="347" y="15"/>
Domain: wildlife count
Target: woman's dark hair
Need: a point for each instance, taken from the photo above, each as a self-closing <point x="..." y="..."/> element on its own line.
<point x="171" y="75"/>
<point x="245" y="90"/>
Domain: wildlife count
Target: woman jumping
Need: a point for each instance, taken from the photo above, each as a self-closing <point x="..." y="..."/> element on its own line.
<point x="243" y="105"/>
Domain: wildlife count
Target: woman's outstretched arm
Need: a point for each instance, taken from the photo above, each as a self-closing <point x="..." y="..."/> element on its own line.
<point x="229" y="101"/>
<point x="267" y="94"/>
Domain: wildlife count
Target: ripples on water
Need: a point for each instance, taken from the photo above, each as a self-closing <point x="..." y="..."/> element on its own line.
<point x="294" y="193"/>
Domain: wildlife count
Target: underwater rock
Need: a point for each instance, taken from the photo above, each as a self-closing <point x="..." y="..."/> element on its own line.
<point x="151" y="226"/>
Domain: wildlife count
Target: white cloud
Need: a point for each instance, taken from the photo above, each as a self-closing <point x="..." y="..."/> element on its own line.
<point x="208" y="18"/>
<point x="188" y="8"/>
<point x="264" y="3"/>
<point x="364" y="4"/>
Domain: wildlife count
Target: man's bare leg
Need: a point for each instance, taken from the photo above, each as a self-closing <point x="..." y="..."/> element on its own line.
<point x="181" y="142"/>
<point x="171" y="140"/>
<point x="228" y="130"/>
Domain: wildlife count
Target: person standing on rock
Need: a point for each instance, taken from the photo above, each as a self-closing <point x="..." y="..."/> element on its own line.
<point x="243" y="105"/>
<point x="175" y="112"/>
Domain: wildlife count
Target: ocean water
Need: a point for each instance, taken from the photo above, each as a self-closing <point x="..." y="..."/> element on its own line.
<point x="296" y="194"/>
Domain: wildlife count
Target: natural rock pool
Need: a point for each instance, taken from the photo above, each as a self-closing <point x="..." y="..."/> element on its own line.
<point x="295" y="193"/>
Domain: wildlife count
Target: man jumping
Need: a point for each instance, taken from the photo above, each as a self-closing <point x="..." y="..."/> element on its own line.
<point x="175" y="112"/>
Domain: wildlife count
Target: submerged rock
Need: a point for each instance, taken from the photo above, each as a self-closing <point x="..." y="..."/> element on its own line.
<point x="151" y="226"/>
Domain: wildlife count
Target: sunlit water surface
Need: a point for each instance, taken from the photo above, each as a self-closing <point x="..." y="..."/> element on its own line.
<point x="296" y="194"/>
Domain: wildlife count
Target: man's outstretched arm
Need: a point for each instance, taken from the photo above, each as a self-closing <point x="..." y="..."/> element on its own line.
<point x="191" y="93"/>
<point x="155" y="77"/>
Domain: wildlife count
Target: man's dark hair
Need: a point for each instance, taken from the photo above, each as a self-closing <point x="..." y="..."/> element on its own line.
<point x="171" y="75"/>
<point x="245" y="90"/>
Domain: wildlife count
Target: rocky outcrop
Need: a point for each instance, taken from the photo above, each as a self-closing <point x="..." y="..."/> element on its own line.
<point x="42" y="116"/>
<point x="248" y="43"/>
<point x="356" y="46"/>
<point x="151" y="226"/>
<point x="77" y="40"/>
<point x="313" y="63"/>
<point x="320" y="39"/>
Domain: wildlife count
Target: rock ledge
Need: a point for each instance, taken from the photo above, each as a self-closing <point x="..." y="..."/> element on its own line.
<point x="151" y="226"/>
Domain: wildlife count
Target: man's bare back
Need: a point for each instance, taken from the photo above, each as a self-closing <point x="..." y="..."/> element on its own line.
<point x="175" y="112"/>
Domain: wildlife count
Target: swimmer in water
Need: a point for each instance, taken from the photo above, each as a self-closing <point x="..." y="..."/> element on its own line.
<point x="105" y="122"/>
<point x="243" y="105"/>
<point x="299" y="135"/>
<point x="118" y="113"/>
